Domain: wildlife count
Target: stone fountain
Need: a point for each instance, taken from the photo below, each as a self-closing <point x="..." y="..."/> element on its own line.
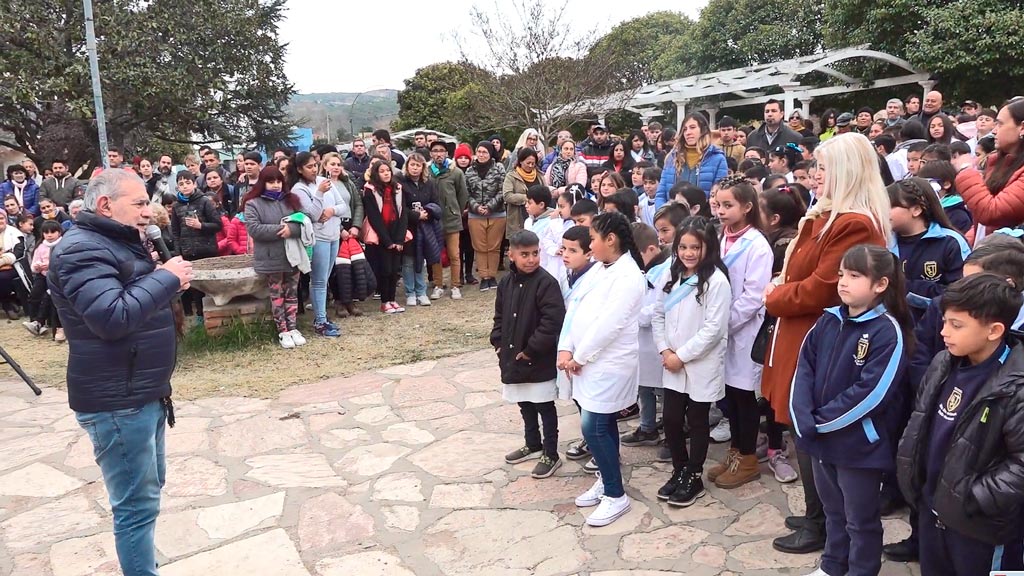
<point x="234" y="291"/>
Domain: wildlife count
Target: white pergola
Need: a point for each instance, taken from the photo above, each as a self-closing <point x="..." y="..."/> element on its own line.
<point x="757" y="84"/>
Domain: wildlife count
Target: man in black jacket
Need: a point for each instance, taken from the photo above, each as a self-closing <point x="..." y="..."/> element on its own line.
<point x="773" y="132"/>
<point x="115" y="305"/>
<point x="960" y="458"/>
<point x="528" y="315"/>
<point x="357" y="163"/>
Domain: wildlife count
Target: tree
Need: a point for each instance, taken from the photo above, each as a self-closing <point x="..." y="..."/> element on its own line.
<point x="965" y="45"/>
<point x="179" y="73"/>
<point x="539" y="66"/>
<point x="738" y="33"/>
<point x="431" y="98"/>
<point x="633" y="47"/>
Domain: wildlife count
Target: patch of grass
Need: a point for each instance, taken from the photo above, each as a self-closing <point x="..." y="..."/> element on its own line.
<point x="251" y="363"/>
<point x="235" y="337"/>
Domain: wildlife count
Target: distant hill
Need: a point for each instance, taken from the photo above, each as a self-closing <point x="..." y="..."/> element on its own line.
<point x="375" y="109"/>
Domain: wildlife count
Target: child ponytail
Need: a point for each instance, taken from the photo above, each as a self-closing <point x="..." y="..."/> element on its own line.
<point x="876" y="263"/>
<point x="912" y="192"/>
<point x="615" y="223"/>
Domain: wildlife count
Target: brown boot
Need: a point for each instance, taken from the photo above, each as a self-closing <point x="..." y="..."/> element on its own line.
<point x="353" y="310"/>
<point x="720" y="468"/>
<point x="744" y="469"/>
<point x="340" y="311"/>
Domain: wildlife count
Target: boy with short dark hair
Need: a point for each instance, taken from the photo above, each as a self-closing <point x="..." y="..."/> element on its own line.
<point x="656" y="267"/>
<point x="583" y="211"/>
<point x="637" y="176"/>
<point x="651" y="178"/>
<point x="914" y="153"/>
<point x="960" y="458"/>
<point x="667" y="220"/>
<point x="528" y="315"/>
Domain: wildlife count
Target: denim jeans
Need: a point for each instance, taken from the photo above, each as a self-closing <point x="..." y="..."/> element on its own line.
<point x="415" y="284"/>
<point x="601" y="431"/>
<point x="648" y="409"/>
<point x="324" y="254"/>
<point x="129" y="448"/>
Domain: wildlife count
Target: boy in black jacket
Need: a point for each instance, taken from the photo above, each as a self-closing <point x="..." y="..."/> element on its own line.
<point x="961" y="459"/>
<point x="528" y="314"/>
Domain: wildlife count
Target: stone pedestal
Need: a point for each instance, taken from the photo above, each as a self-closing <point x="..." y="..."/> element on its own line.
<point x="243" y="309"/>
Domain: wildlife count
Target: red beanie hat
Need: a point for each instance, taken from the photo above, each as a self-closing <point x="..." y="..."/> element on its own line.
<point x="463" y="150"/>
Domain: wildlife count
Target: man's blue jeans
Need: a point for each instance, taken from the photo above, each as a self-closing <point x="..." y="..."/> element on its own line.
<point x="324" y="254"/>
<point x="129" y="449"/>
<point x="601" y="431"/>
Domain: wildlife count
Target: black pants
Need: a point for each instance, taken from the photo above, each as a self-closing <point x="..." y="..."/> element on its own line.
<point x="854" y="535"/>
<point x="466" y="252"/>
<point x="743" y="419"/>
<point x="548" y="418"/>
<point x="815" y="514"/>
<point x="192" y="302"/>
<point x="773" y="429"/>
<point x="35" y="310"/>
<point x="678" y="409"/>
<point x="12" y="290"/>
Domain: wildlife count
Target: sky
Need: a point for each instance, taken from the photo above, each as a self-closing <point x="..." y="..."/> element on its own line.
<point x="415" y="34"/>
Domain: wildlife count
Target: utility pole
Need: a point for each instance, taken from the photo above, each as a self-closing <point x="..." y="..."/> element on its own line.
<point x="329" y="136"/>
<point x="97" y="89"/>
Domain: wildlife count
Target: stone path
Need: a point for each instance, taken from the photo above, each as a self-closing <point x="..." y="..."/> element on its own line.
<point x="389" y="473"/>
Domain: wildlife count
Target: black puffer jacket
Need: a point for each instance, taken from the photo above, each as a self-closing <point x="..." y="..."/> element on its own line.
<point x="981" y="488"/>
<point x="116" y="311"/>
<point x="528" y="315"/>
<point x="195" y="244"/>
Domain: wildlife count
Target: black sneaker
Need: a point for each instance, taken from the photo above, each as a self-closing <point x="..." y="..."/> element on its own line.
<point x="578" y="451"/>
<point x="546" y="466"/>
<point x="664" y="454"/>
<point x="485" y="285"/>
<point x="628" y="413"/>
<point x="691" y="488"/>
<point x="523" y="454"/>
<point x="494" y="283"/>
<point x="590" y="467"/>
<point x="639" y="438"/>
<point x="673" y="482"/>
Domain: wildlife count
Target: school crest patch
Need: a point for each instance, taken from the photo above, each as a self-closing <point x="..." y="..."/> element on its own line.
<point x="931" y="270"/>
<point x="953" y="402"/>
<point x="862" y="350"/>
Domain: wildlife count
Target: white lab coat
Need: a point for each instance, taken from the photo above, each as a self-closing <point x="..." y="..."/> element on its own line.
<point x="698" y="333"/>
<point x="650" y="356"/>
<point x="750" y="270"/>
<point x="601" y="330"/>
<point x="549" y="230"/>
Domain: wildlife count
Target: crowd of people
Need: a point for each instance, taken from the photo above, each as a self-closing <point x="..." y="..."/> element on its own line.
<point x="853" y="284"/>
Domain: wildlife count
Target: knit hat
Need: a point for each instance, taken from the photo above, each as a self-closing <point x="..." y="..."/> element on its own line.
<point x="463" y="150"/>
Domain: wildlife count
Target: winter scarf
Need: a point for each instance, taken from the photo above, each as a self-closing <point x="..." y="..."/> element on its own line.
<point x="559" y="168"/>
<point x="530" y="178"/>
<point x="442" y="169"/>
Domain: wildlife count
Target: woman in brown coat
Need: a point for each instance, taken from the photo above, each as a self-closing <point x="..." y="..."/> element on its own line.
<point x="853" y="209"/>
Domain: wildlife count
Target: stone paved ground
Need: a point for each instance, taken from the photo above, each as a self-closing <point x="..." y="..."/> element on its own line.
<point x="388" y="473"/>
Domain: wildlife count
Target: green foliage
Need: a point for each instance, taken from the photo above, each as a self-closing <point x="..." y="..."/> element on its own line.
<point x="635" y="45"/>
<point x="971" y="47"/>
<point x="169" y="70"/>
<point x="738" y="33"/>
<point x="440" y="96"/>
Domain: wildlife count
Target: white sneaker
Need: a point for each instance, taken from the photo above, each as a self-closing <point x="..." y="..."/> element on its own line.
<point x="818" y="572"/>
<point x="410" y="301"/>
<point x="592" y="497"/>
<point x="32" y="326"/>
<point x="287" y="342"/>
<point x="423" y="300"/>
<point x="456" y="294"/>
<point x="609" y="510"/>
<point x="721" y="432"/>
<point x="298" y="338"/>
<point x="437" y="294"/>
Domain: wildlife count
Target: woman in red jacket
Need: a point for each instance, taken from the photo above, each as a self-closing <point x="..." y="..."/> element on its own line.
<point x="853" y="209"/>
<point x="997" y="198"/>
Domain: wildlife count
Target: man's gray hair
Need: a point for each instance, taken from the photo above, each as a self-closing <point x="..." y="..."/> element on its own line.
<point x="894" y="101"/>
<point x="79" y="203"/>
<point x="110" y="183"/>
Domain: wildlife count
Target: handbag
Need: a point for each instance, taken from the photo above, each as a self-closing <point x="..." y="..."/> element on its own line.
<point x="764" y="334"/>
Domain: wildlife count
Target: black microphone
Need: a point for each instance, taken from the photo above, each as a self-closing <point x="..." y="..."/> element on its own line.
<point x="157" y="237"/>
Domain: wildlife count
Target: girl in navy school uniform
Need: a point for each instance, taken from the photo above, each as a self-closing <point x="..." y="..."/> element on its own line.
<point x="749" y="258"/>
<point x="942" y="176"/>
<point x="844" y="405"/>
<point x="691" y="331"/>
<point x="930" y="250"/>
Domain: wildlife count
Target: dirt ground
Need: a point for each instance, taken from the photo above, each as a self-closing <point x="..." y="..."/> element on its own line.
<point x="369" y="342"/>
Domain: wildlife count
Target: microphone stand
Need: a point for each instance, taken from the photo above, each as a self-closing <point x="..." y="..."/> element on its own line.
<point x="7" y="359"/>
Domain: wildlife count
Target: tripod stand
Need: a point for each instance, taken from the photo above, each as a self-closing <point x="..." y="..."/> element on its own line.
<point x="8" y="360"/>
